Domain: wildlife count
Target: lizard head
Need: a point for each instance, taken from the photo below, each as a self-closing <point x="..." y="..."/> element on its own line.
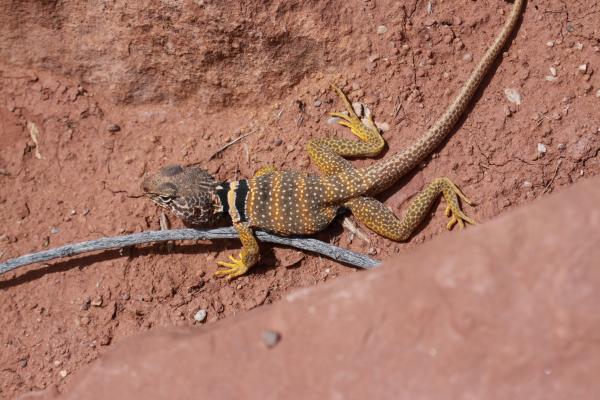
<point x="189" y="192"/>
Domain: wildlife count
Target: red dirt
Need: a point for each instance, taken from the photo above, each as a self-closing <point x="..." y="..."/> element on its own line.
<point x="180" y="78"/>
<point x="506" y="310"/>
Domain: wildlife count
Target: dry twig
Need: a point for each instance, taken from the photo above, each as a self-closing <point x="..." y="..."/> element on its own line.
<point x="117" y="242"/>
<point x="226" y="145"/>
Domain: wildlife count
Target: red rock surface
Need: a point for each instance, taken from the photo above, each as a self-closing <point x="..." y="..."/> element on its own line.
<point x="182" y="77"/>
<point x="505" y="311"/>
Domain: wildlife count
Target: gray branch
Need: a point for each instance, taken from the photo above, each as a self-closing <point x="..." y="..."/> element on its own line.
<point x="118" y="242"/>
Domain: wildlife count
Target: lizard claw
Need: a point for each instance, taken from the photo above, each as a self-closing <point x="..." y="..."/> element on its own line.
<point x="366" y="130"/>
<point x="235" y="268"/>
<point x="457" y="217"/>
<point x="453" y="211"/>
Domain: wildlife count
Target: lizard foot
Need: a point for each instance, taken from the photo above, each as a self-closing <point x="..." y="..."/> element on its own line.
<point x="235" y="268"/>
<point x="453" y="211"/>
<point x="364" y="131"/>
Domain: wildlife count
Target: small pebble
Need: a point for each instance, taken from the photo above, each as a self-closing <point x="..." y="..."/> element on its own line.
<point x="57" y="363"/>
<point x="54" y="230"/>
<point x="86" y="303"/>
<point x="552" y="71"/>
<point x="381" y="29"/>
<point x="200" y="315"/>
<point x="317" y="103"/>
<point x="561" y="146"/>
<point x="541" y="148"/>
<point x="579" y="46"/>
<point x="598" y="93"/>
<point x="468" y="57"/>
<point x="383" y="126"/>
<point x="550" y="43"/>
<point x="513" y="96"/>
<point x="63" y="373"/>
<point x="582" y="68"/>
<point x="277" y="142"/>
<point x="527" y="184"/>
<point x="270" y="338"/>
<point x="114" y="128"/>
<point x="97" y="302"/>
<point x="332" y="120"/>
<point x="374" y="57"/>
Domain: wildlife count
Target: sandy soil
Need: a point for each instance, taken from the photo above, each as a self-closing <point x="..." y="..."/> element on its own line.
<point x="116" y="90"/>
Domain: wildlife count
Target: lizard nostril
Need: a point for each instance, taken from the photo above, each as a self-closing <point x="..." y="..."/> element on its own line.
<point x="146" y="184"/>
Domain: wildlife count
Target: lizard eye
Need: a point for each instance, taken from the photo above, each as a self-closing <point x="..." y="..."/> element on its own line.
<point x="165" y="199"/>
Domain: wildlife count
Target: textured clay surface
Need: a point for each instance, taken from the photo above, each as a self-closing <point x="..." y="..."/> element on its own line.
<point x="95" y="94"/>
<point x="501" y="312"/>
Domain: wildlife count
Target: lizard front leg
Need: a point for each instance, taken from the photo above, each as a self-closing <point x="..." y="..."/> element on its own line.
<point x="248" y="257"/>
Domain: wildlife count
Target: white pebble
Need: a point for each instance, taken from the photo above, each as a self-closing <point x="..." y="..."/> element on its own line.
<point x="513" y="96"/>
<point x="200" y="315"/>
<point x="527" y="184"/>
<point x="582" y="68"/>
<point x="553" y="71"/>
<point x="373" y="57"/>
<point x="550" y="43"/>
<point x="598" y="93"/>
<point x="541" y="148"/>
<point x="381" y="29"/>
<point x="383" y="126"/>
<point x="468" y="57"/>
<point x="63" y="373"/>
<point x="579" y="46"/>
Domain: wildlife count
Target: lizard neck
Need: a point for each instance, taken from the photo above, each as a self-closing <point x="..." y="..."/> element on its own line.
<point x="230" y="199"/>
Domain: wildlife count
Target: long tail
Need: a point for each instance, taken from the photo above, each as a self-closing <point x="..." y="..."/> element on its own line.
<point x="384" y="173"/>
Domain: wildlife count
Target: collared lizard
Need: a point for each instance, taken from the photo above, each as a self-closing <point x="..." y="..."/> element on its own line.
<point x="298" y="203"/>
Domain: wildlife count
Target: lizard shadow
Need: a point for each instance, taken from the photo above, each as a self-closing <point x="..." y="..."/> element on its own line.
<point x="131" y="253"/>
<point x="268" y="259"/>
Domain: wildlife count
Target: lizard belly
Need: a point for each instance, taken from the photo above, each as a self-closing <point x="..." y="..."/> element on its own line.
<point x="288" y="203"/>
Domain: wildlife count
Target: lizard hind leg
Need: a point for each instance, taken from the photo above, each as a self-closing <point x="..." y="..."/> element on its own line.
<point x="328" y="153"/>
<point x="380" y="219"/>
<point x="365" y="130"/>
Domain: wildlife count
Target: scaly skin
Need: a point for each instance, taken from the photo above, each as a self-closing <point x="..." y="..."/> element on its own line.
<point x="297" y="203"/>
